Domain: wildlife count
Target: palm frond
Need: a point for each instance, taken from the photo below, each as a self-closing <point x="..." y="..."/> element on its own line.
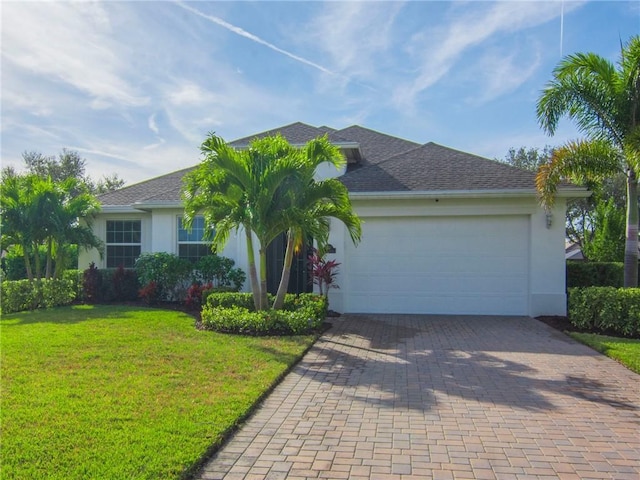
<point x="577" y="161"/>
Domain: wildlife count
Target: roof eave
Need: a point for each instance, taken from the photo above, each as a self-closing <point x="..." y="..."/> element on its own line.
<point x="566" y="192"/>
<point x="138" y="207"/>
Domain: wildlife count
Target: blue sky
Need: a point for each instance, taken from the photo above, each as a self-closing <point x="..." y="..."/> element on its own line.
<point x="136" y="86"/>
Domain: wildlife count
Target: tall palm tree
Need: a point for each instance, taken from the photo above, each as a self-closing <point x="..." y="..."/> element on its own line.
<point x="240" y="188"/>
<point x="37" y="211"/>
<point x="73" y="202"/>
<point x="309" y="205"/>
<point x="17" y="209"/>
<point x="603" y="100"/>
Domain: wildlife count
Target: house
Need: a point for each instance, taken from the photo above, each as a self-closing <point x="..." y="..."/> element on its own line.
<point x="444" y="232"/>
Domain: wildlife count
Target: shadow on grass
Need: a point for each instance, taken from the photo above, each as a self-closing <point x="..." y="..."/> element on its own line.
<point x="81" y="313"/>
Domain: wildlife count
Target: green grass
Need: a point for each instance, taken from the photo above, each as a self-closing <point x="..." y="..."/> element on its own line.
<point x="110" y="392"/>
<point x="625" y="350"/>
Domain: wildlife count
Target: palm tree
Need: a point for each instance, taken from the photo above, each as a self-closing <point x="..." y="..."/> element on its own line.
<point x="73" y="202"/>
<point x="240" y="188"/>
<point x="310" y="205"/>
<point x="603" y="100"/>
<point x="37" y="211"/>
<point x="18" y="209"/>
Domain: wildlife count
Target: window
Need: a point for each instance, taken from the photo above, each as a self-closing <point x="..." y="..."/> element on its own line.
<point x="191" y="243"/>
<point x="124" y="239"/>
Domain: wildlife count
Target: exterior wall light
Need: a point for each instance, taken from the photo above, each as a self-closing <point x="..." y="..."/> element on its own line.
<point x="549" y="219"/>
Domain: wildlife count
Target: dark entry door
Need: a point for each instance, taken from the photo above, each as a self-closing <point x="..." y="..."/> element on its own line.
<point x="299" y="279"/>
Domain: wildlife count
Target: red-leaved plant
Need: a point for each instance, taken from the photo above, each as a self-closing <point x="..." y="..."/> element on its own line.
<point x="194" y="294"/>
<point x="323" y="272"/>
<point x="149" y="293"/>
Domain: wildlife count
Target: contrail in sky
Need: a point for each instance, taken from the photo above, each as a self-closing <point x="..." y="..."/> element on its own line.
<point x="561" y="26"/>
<point x="252" y="37"/>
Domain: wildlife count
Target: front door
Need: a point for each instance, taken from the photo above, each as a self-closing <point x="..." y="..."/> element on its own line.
<point x="299" y="279"/>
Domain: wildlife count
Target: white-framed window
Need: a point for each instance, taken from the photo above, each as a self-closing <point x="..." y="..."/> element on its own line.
<point x="124" y="242"/>
<point x="192" y="245"/>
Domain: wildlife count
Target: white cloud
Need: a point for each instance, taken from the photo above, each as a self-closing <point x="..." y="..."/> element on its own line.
<point x="442" y="48"/>
<point x="229" y="101"/>
<point x="153" y="126"/>
<point x="70" y="43"/>
<point x="189" y="93"/>
<point x="502" y="73"/>
<point x="353" y="34"/>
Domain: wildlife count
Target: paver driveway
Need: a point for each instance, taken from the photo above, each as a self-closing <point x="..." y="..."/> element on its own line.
<point x="402" y="396"/>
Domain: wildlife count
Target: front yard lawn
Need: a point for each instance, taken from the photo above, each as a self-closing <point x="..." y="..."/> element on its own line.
<point x="125" y="392"/>
<point x="625" y="350"/>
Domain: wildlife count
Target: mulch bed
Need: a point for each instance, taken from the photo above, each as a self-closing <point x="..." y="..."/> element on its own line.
<point x="559" y="323"/>
<point x="564" y="325"/>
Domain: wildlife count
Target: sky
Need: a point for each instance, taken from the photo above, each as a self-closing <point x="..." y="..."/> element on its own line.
<point x="135" y="86"/>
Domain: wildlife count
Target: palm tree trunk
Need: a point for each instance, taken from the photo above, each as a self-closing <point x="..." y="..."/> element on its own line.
<point x="27" y="262"/>
<point x="631" y="241"/>
<point x="264" y="301"/>
<point x="36" y="255"/>
<point x="286" y="272"/>
<point x="47" y="273"/>
<point x="253" y="274"/>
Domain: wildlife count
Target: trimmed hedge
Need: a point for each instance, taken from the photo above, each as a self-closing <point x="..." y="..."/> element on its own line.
<point x="594" y="274"/>
<point x="18" y="295"/>
<point x="234" y="313"/>
<point x="606" y="309"/>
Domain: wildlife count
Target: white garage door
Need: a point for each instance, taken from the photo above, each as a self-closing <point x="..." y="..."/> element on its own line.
<point x="439" y="265"/>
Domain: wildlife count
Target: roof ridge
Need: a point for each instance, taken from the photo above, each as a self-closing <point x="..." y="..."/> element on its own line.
<point x="264" y="133"/>
<point x="377" y="132"/>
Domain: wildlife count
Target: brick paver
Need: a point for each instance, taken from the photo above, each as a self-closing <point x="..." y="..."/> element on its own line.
<point x="409" y="396"/>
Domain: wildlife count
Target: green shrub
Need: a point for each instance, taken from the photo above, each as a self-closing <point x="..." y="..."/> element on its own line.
<point x="170" y="273"/>
<point x="594" y="274"/>
<point x="75" y="276"/>
<point x="234" y="313"/>
<point x="605" y="309"/>
<point x="215" y="299"/>
<point x="220" y="272"/>
<point x="19" y="295"/>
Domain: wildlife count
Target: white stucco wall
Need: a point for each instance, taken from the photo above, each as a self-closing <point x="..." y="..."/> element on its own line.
<point x="545" y="246"/>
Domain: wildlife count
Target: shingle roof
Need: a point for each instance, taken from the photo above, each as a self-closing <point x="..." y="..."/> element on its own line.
<point x="376" y="146"/>
<point x="164" y="188"/>
<point x="432" y="167"/>
<point x="297" y="133"/>
<point x="388" y="164"/>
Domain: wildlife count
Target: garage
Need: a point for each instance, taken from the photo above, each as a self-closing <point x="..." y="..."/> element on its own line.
<point x="440" y="265"/>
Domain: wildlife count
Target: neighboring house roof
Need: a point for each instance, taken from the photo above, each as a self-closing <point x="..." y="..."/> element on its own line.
<point x="573" y="252"/>
<point x="377" y="163"/>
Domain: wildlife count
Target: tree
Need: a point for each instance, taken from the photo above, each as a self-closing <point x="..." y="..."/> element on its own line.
<point x="68" y="164"/>
<point x="583" y="218"/>
<point x="606" y="244"/>
<point x="259" y="189"/>
<point x="310" y="204"/>
<point x="38" y="212"/>
<point x="18" y="207"/>
<point x="237" y="188"/>
<point x="603" y="100"/>
<point x="528" y="158"/>
<point x="108" y="183"/>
